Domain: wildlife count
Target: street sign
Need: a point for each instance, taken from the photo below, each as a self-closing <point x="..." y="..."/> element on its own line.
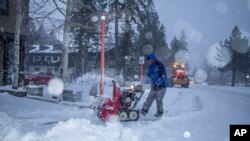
<point x="141" y="60"/>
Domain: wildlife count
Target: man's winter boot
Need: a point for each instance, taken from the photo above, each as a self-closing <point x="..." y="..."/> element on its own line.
<point x="144" y="112"/>
<point x="158" y="114"/>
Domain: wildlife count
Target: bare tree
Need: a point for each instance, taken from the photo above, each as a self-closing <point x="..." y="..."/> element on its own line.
<point x="65" y="47"/>
<point x="68" y="24"/>
<point x="42" y="13"/>
<point x="19" y="18"/>
<point x="42" y="16"/>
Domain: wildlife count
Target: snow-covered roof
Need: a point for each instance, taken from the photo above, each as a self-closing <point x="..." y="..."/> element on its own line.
<point x="52" y="49"/>
<point x="46" y="49"/>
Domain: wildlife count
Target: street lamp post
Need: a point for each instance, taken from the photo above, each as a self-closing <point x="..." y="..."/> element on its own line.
<point x="102" y="52"/>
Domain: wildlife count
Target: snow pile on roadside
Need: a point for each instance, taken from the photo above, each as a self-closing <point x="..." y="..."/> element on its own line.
<point x="9" y="130"/>
<point x="84" y="84"/>
<point x="82" y="129"/>
<point x="76" y="130"/>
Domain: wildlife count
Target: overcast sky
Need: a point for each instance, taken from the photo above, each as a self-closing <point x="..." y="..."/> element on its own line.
<point x="206" y="22"/>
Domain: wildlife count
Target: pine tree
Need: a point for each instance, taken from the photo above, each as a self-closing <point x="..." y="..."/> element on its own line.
<point x="183" y="40"/>
<point x="85" y="31"/>
<point x="51" y="38"/>
<point x="134" y="12"/>
<point x="33" y="34"/>
<point x="236" y="44"/>
<point x="42" y="35"/>
<point x="114" y="7"/>
<point x="161" y="49"/>
<point x="151" y="33"/>
<point x="176" y="45"/>
<point x="128" y="55"/>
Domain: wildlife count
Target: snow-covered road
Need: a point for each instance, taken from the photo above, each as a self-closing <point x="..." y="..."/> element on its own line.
<point x="197" y="113"/>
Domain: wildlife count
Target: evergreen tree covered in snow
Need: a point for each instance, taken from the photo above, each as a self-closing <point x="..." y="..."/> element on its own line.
<point x="239" y="47"/>
<point x="177" y="45"/>
<point x="42" y="34"/>
<point x="214" y="76"/>
<point x="161" y="48"/>
<point x="114" y="8"/>
<point x="85" y="33"/>
<point x="129" y="57"/>
<point x="151" y="35"/>
<point x="133" y="13"/>
<point x="183" y="40"/>
<point x="151" y="31"/>
<point x="245" y="67"/>
<point x="32" y="35"/>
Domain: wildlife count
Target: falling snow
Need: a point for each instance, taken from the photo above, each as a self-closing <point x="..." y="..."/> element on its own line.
<point x="200" y="76"/>
<point x="221" y="8"/>
<point x="148" y="35"/>
<point x="246" y="34"/>
<point x="55" y="86"/>
<point x="183" y="26"/>
<point x="94" y="19"/>
<point x="147" y="49"/>
<point x="187" y="134"/>
<point x="215" y="51"/>
<point x="182" y="57"/>
<point x="195" y="37"/>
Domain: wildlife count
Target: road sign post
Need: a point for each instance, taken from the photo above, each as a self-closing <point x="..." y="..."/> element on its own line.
<point x="141" y="62"/>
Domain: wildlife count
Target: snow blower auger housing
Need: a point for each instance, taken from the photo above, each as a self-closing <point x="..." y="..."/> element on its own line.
<point x="122" y="105"/>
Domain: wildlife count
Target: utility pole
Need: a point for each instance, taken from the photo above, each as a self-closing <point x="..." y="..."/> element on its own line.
<point x="102" y="52"/>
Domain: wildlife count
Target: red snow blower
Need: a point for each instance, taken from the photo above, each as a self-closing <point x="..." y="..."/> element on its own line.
<point x="122" y="105"/>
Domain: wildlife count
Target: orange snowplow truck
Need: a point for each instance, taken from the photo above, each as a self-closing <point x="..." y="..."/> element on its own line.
<point x="179" y="76"/>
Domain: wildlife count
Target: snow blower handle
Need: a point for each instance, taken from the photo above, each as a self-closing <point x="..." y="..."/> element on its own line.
<point x="138" y="88"/>
<point x="138" y="98"/>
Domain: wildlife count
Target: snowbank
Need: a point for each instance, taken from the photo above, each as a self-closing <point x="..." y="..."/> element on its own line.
<point x="84" y="84"/>
<point x="9" y="130"/>
<point x="71" y="130"/>
<point x="82" y="129"/>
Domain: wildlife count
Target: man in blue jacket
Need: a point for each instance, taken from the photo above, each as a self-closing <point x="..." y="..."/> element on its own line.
<point x="159" y="82"/>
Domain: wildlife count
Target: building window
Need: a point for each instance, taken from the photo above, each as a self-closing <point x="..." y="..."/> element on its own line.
<point x="4" y="7"/>
<point x="37" y="69"/>
<point x="36" y="58"/>
<point x="56" y="58"/>
<point x="49" y="69"/>
<point x="48" y="58"/>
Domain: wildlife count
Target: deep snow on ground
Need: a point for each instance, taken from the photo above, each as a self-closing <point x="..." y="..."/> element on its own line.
<point x="197" y="113"/>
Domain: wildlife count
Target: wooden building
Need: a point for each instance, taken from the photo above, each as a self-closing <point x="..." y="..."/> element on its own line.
<point x="7" y="32"/>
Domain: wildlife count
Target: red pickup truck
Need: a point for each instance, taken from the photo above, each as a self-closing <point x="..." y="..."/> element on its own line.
<point x="38" y="79"/>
